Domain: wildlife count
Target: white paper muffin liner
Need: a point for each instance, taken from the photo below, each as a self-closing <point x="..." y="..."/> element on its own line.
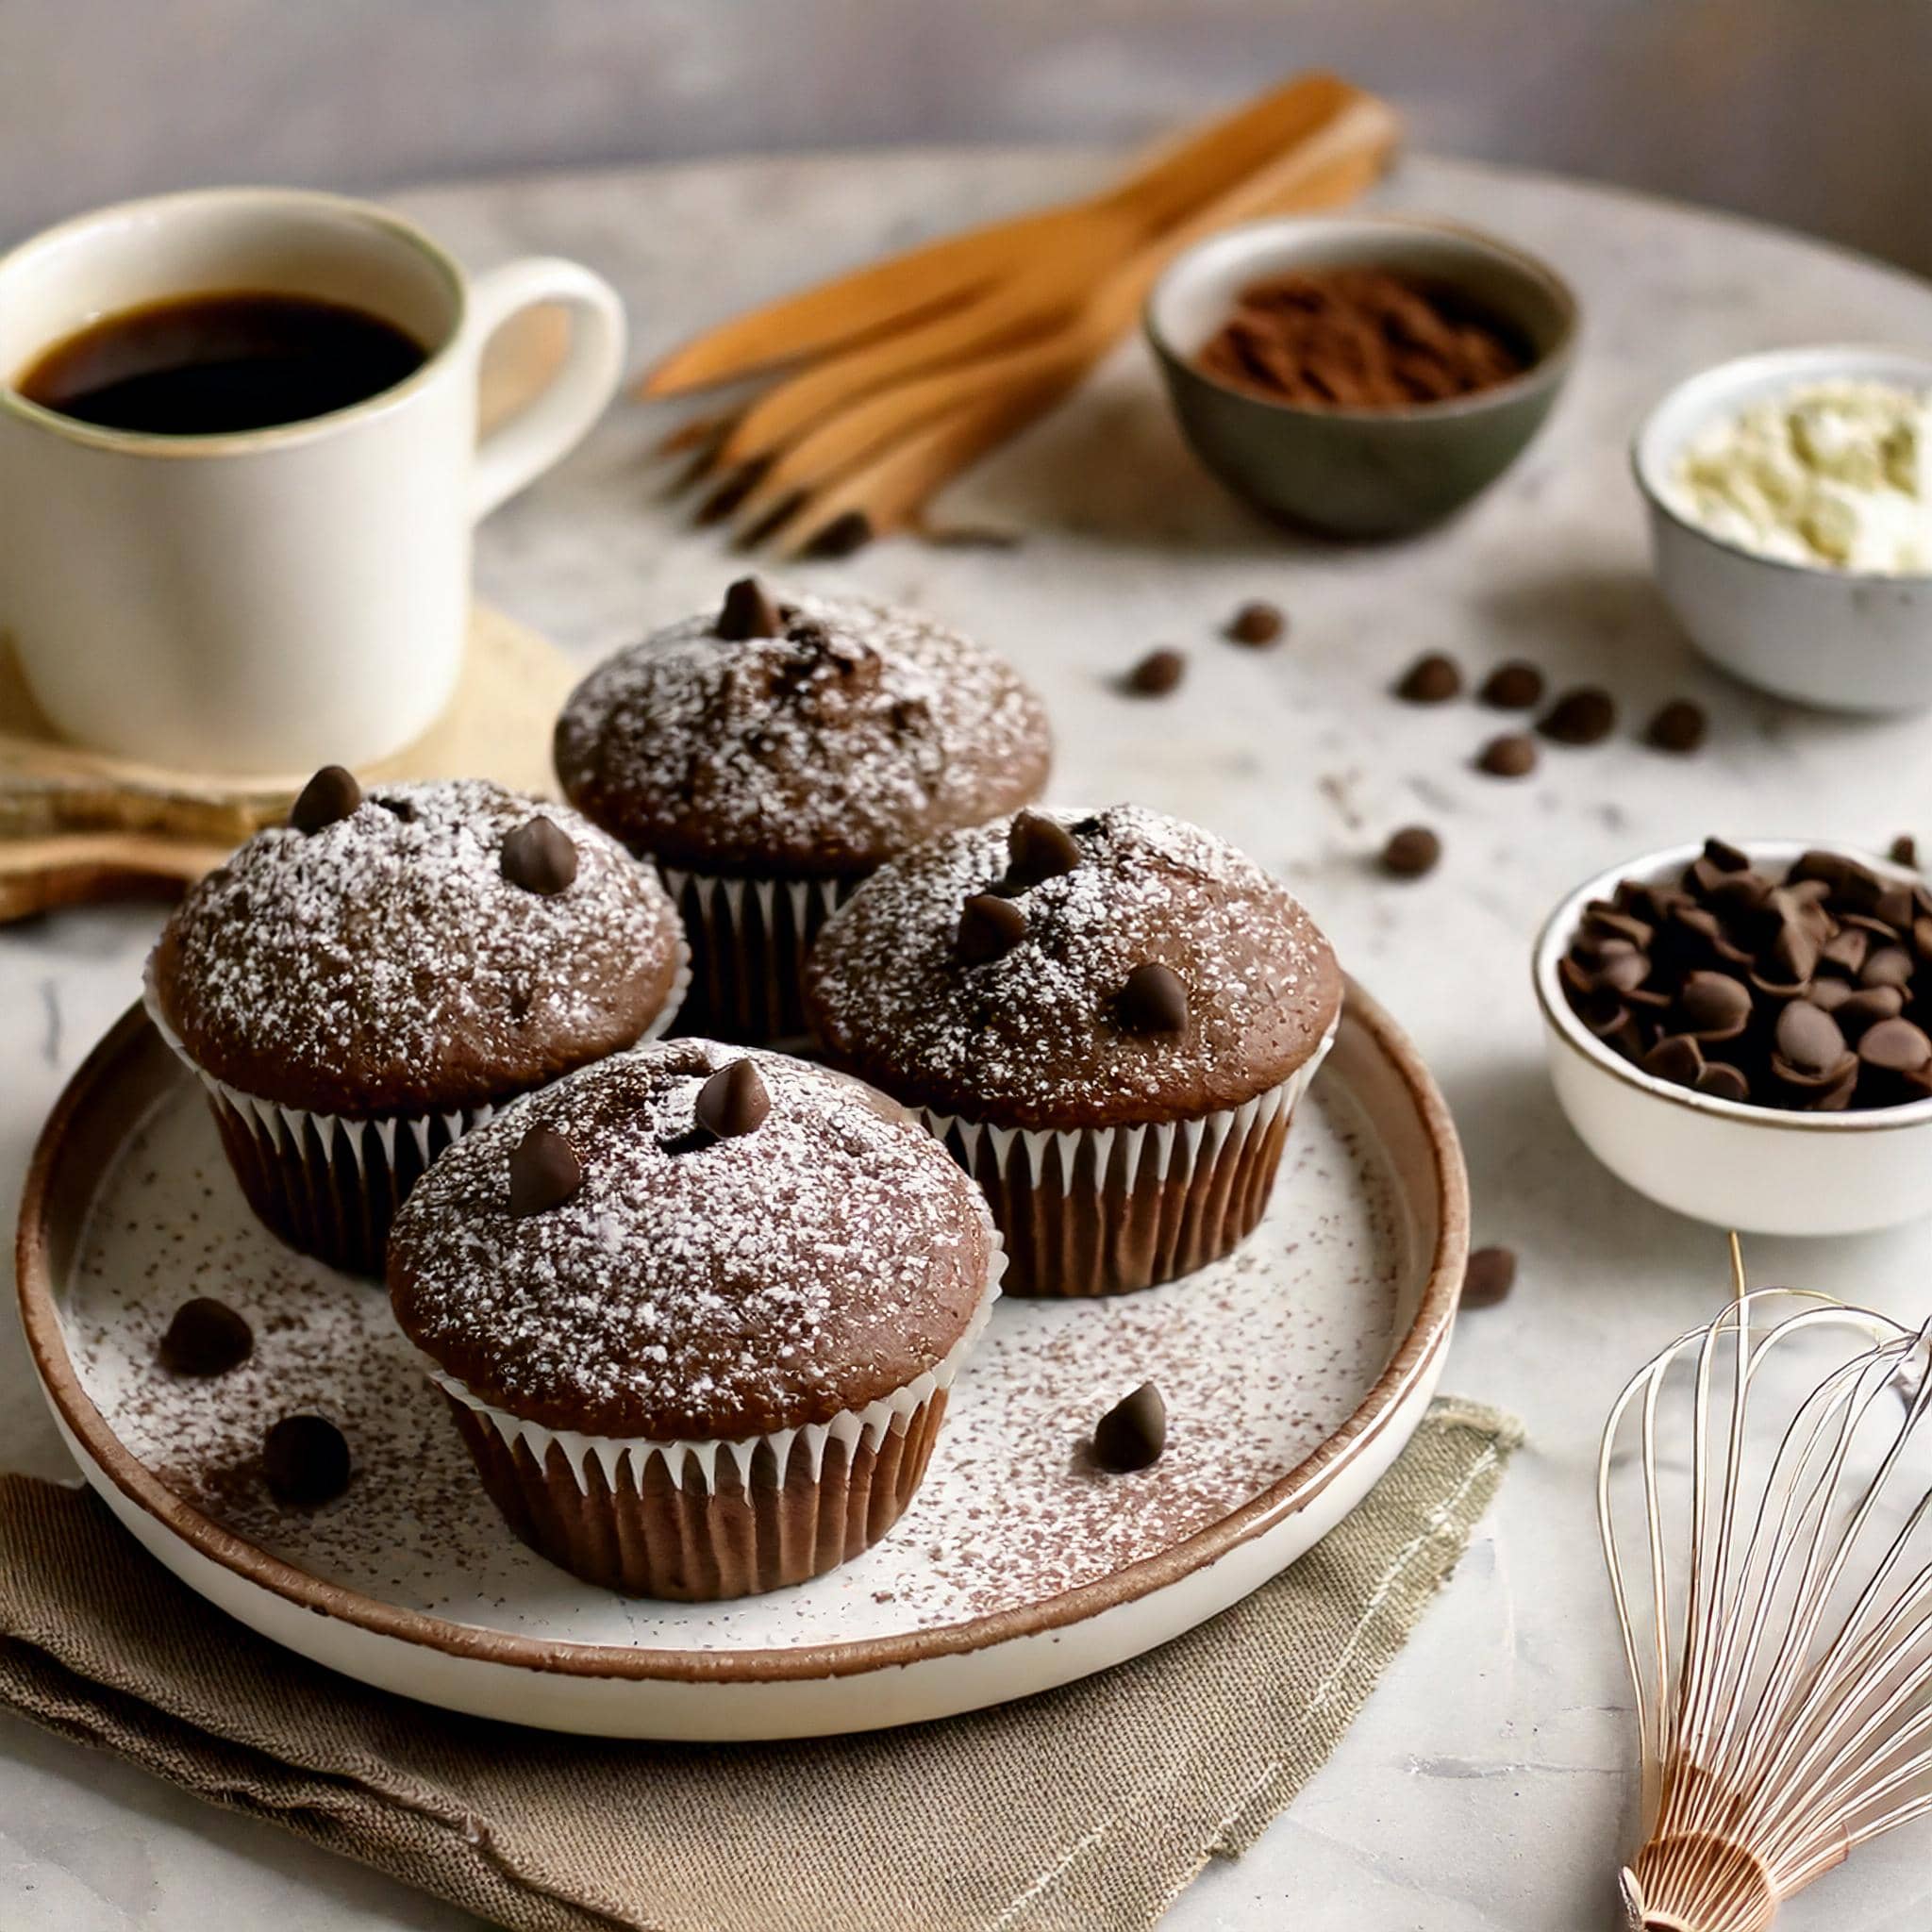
<point x="703" y="1519"/>
<point x="1105" y="1210"/>
<point x="749" y="937"/>
<point x="327" y="1184"/>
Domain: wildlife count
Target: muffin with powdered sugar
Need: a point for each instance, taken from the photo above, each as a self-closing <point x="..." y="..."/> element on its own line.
<point x="361" y="985"/>
<point x="770" y="756"/>
<point x="1108" y="1016"/>
<point x="697" y="1311"/>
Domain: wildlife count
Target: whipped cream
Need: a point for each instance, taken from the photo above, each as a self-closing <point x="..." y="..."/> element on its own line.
<point x="1835" y="473"/>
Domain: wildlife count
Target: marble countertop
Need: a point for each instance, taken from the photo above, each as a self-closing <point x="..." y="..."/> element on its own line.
<point x="1490" y="1782"/>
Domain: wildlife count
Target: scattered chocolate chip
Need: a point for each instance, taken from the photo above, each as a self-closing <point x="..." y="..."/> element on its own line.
<point x="1905" y="850"/>
<point x="544" y="1173"/>
<point x="1158" y="672"/>
<point x="1722" y="1081"/>
<point x="1679" y="727"/>
<point x="1038" y="848"/>
<point x="749" y="613"/>
<point x="305" y="1460"/>
<point x="1132" y="1432"/>
<point x="733" y="1102"/>
<point x="1895" y="1046"/>
<point x="205" y="1338"/>
<point x="1584" y="716"/>
<point x="331" y="795"/>
<point x="1808" y="1038"/>
<point x="843" y="535"/>
<point x="1487" y="1276"/>
<point x="990" y="928"/>
<point x="403" y="809"/>
<point x="538" y="857"/>
<point x="1512" y="755"/>
<point x="1153" y="1000"/>
<point x="1433" y="679"/>
<point x="1256" y="624"/>
<point x="1411" y="852"/>
<point x="1513" y="686"/>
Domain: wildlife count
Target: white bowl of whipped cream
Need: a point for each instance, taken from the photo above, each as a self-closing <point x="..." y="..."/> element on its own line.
<point x="1791" y="514"/>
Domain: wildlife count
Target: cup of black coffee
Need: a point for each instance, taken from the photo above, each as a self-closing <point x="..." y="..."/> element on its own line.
<point x="238" y="464"/>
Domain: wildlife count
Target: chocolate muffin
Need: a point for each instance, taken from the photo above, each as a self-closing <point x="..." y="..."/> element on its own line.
<point x="1106" y="1018"/>
<point x="697" y="1311"/>
<point x="358" y="987"/>
<point x="771" y="756"/>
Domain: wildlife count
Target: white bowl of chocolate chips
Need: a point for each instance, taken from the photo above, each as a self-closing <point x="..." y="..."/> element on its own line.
<point x="1744" y="1032"/>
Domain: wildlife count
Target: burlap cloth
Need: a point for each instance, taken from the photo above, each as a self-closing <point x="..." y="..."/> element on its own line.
<point x="1087" y="1808"/>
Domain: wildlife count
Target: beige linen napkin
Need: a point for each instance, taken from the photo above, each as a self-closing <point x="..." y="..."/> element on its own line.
<point x="1087" y="1808"/>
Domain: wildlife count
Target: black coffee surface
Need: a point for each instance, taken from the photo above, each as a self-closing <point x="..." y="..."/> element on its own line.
<point x="200" y="365"/>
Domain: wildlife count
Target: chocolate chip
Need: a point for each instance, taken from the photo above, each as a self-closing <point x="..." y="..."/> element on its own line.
<point x="1726" y="856"/>
<point x="1587" y="715"/>
<point x="1038" y="848"/>
<point x="1432" y="679"/>
<point x="538" y="857"/>
<point x="1888" y="966"/>
<point x="749" y="613"/>
<point x="1156" y="674"/>
<point x="1794" y="952"/>
<point x="1678" y="726"/>
<point x="1256" y="624"/>
<point x="544" y="1173"/>
<point x="990" y="928"/>
<point x="1859" y="1011"/>
<point x="1411" y="852"/>
<point x="1808" y="1038"/>
<point x="843" y="535"/>
<point x="1512" y="755"/>
<point x="1895" y="1046"/>
<point x="205" y="1338"/>
<point x="1487" y="1276"/>
<point x="1513" y="686"/>
<point x="1896" y="907"/>
<point x="1153" y="1000"/>
<point x="1713" y="1003"/>
<point x="328" y="798"/>
<point x="403" y="809"/>
<point x="1831" y="994"/>
<point x="1677" y="1059"/>
<point x="733" y="1102"/>
<point x="1844" y="952"/>
<point x="1132" y="1432"/>
<point x="1905" y="850"/>
<point x="1624" y="970"/>
<point x="305" y="1460"/>
<point x="1722" y="1081"/>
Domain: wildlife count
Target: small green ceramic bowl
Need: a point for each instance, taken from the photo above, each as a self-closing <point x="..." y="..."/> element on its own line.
<point x="1359" y="472"/>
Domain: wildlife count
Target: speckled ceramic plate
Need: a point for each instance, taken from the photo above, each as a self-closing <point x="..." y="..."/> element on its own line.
<point x="1293" y="1371"/>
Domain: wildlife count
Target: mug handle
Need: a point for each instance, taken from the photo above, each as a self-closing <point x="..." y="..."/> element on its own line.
<point x="518" y="450"/>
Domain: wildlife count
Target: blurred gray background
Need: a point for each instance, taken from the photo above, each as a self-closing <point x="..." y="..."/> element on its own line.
<point x="1813" y="113"/>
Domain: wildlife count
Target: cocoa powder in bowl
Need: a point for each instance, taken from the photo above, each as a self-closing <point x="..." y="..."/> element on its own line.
<point x="1361" y="338"/>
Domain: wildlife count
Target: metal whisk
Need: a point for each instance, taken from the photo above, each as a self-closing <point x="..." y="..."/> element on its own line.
<point x="1772" y="1472"/>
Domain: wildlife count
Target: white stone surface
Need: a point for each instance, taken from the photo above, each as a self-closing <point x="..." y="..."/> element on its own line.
<point x="1487" y="1785"/>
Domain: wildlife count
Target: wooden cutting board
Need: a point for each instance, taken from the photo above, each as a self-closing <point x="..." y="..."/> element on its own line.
<point x="79" y="826"/>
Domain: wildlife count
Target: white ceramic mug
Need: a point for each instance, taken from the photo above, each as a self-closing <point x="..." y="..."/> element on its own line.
<point x="274" y="599"/>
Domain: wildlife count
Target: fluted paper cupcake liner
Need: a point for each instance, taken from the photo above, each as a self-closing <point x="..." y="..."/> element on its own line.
<point x="697" y="1521"/>
<point x="1107" y="1210"/>
<point x="328" y="1185"/>
<point x="748" y="938"/>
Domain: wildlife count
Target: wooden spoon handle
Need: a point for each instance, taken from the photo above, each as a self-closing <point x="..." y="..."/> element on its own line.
<point x="42" y="875"/>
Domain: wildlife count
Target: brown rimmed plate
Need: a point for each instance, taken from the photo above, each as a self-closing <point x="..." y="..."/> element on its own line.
<point x="1294" y="1371"/>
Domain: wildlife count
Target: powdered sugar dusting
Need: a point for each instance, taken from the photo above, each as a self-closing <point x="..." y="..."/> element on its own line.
<point x="860" y="731"/>
<point x="1260" y="1358"/>
<point x="1030" y="1039"/>
<point x="385" y="963"/>
<point x="694" y="1287"/>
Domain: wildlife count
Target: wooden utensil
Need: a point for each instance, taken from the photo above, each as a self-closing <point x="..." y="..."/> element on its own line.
<point x="926" y="360"/>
